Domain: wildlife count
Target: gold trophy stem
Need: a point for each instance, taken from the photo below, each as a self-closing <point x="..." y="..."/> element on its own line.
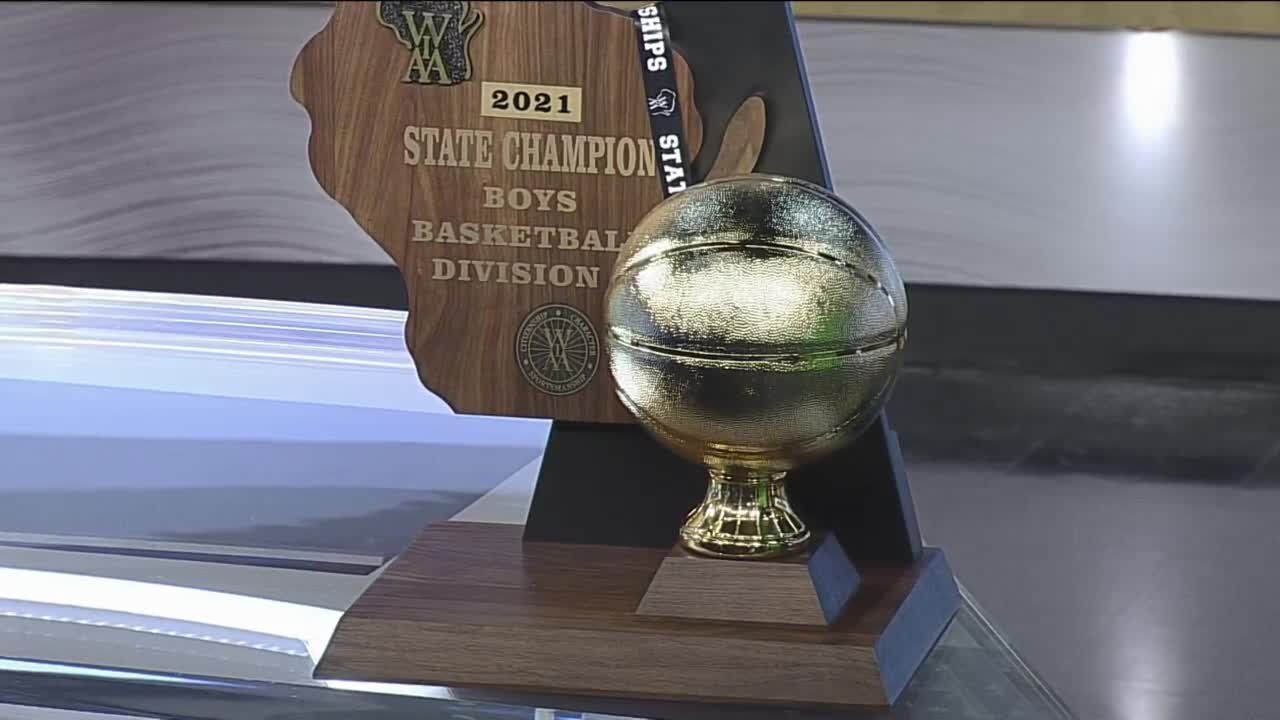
<point x="744" y="516"/>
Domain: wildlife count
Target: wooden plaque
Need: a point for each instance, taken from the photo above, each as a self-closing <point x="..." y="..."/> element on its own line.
<point x="501" y="153"/>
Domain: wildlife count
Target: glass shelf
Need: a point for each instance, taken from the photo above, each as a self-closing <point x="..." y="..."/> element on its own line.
<point x="175" y="542"/>
<point x="971" y="674"/>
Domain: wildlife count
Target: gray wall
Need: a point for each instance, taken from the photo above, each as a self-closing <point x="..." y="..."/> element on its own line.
<point x="1110" y="161"/>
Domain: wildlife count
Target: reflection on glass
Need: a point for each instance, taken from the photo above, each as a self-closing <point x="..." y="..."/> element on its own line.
<point x="193" y="613"/>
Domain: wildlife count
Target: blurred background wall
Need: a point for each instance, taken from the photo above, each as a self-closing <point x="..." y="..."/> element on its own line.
<point x="1022" y="148"/>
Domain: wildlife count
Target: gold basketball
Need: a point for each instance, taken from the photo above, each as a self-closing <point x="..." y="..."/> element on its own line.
<point x="754" y="323"/>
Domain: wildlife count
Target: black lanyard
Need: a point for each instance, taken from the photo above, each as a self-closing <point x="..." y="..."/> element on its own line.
<point x="662" y="95"/>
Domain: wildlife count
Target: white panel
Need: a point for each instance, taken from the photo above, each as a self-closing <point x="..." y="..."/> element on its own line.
<point x="1111" y="161"/>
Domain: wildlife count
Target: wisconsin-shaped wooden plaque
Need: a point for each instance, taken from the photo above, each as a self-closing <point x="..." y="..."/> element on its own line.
<point x="501" y="153"/>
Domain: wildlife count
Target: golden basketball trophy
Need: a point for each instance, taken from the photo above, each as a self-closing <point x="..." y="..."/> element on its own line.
<point x="754" y="324"/>
<point x="698" y="323"/>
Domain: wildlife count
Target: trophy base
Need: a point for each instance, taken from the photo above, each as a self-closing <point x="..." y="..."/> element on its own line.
<point x="810" y="588"/>
<point x="470" y="605"/>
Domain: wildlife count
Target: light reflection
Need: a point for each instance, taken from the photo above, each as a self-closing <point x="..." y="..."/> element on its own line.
<point x="1151" y="83"/>
<point x="249" y="350"/>
<point x="60" y="295"/>
<point x="709" y="300"/>
<point x="91" y="617"/>
<point x="51" y="668"/>
<point x="270" y="619"/>
<point x="433" y="692"/>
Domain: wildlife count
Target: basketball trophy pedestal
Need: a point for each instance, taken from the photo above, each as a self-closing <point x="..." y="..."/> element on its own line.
<point x="498" y="610"/>
<point x="473" y="605"/>
<point x="591" y="598"/>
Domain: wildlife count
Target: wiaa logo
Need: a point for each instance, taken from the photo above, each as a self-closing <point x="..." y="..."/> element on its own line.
<point x="557" y="349"/>
<point x="438" y="35"/>
<point x="664" y="103"/>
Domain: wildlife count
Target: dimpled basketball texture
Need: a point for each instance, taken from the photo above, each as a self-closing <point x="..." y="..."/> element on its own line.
<point x="755" y="318"/>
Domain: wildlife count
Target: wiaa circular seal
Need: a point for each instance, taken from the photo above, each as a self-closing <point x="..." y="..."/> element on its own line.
<point x="557" y="349"/>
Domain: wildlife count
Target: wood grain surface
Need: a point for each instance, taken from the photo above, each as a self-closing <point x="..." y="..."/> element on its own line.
<point x="473" y="297"/>
<point x="743" y="140"/>
<point x="470" y="605"/>
<point x="809" y="588"/>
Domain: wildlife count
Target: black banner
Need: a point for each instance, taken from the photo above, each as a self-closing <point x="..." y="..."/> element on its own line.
<point x="662" y="95"/>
